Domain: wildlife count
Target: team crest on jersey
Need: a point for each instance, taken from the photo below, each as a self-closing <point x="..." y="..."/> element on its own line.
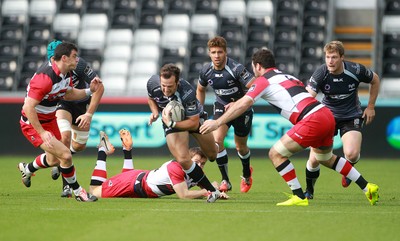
<point x="327" y="87"/>
<point x="210" y="82"/>
<point x="352" y="87"/>
<point x="252" y="88"/>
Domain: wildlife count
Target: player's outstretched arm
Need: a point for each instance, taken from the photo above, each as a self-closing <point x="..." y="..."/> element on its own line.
<point x="183" y="192"/>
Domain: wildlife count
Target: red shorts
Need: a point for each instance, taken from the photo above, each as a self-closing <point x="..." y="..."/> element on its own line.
<point x="33" y="137"/>
<point x="120" y="185"/>
<point x="316" y="130"/>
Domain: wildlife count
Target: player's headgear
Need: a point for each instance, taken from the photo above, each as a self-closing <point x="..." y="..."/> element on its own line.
<point x="51" y="47"/>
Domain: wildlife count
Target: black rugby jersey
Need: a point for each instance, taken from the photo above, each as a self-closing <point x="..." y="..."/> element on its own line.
<point x="341" y="91"/>
<point x="229" y="84"/>
<point x="185" y="94"/>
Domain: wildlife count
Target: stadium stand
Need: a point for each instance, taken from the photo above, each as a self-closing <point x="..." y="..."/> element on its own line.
<point x="177" y="31"/>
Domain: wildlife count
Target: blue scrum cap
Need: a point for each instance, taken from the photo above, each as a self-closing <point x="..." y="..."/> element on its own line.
<point x="51" y="47"/>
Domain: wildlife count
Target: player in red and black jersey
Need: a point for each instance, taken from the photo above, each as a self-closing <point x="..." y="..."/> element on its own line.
<point x="314" y="126"/>
<point x="338" y="80"/>
<point x="51" y="83"/>
<point x="168" y="179"/>
<point x="74" y="117"/>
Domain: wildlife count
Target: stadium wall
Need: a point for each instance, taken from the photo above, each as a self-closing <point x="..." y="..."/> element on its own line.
<point x="381" y="139"/>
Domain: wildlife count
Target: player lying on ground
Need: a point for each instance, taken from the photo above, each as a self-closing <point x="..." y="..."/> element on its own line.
<point x="165" y="180"/>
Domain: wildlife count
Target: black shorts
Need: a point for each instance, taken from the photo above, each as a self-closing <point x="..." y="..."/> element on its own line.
<point x="241" y="125"/>
<point x="75" y="108"/>
<point x="349" y="125"/>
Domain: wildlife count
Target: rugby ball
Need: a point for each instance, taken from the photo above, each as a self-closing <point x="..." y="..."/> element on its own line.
<point x="177" y="112"/>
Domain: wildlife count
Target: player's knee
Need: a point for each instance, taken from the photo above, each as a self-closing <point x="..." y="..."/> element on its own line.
<point x="322" y="157"/>
<point x="353" y="156"/>
<point x="279" y="149"/>
<point x="80" y="137"/>
<point x="64" y="125"/>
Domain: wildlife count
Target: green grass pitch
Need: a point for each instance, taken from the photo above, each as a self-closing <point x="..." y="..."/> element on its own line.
<point x="336" y="213"/>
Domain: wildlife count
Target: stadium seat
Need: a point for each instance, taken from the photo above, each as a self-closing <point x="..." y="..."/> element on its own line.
<point x="6" y="81"/>
<point x="233" y="35"/>
<point x="119" y="37"/>
<point x="252" y="48"/>
<point x="41" y="12"/>
<point x="137" y="85"/>
<point x="66" y="26"/>
<point x="391" y="23"/>
<point x="97" y="6"/>
<point x="36" y="49"/>
<point x="316" y="6"/>
<point x="390" y="87"/>
<point x="286" y="65"/>
<point x="24" y="79"/>
<point x="311" y="35"/>
<point x="180" y="6"/>
<point x="285" y="35"/>
<point x="31" y="64"/>
<point x="312" y="51"/>
<point x="391" y="51"/>
<point x="392" y="7"/>
<point x="14" y="12"/>
<point x="151" y="20"/>
<point x="259" y="13"/>
<point x="123" y="19"/>
<point x="94" y="62"/>
<point x="287" y="20"/>
<point x="71" y="6"/>
<point x="39" y="34"/>
<point x="150" y="36"/>
<point x="309" y="66"/>
<point x="118" y="52"/>
<point x="285" y="50"/>
<point x="206" y="6"/>
<point x="9" y="49"/>
<point x="199" y="50"/>
<point x="147" y="67"/>
<point x="258" y="36"/>
<point x="174" y="39"/>
<point x="14" y="34"/>
<point x="391" y="37"/>
<point x="91" y="21"/>
<point x="154" y="6"/>
<point x="8" y="65"/>
<point x="91" y="42"/>
<point x="176" y="22"/>
<point x="288" y="6"/>
<point x="114" y="68"/>
<point x="232" y="13"/>
<point x="146" y="52"/>
<point x="314" y="20"/>
<point x="125" y="5"/>
<point x="114" y="85"/>
<point x="235" y="52"/>
<point x="391" y="68"/>
<point x="203" y="27"/>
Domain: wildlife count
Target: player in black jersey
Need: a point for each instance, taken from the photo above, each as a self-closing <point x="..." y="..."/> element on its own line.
<point x="230" y="80"/>
<point x="74" y="117"/>
<point x="162" y="89"/>
<point x="338" y="80"/>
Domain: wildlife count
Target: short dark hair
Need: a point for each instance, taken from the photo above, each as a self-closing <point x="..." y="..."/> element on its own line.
<point x="264" y="57"/>
<point x="169" y="70"/>
<point x="64" y="48"/>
